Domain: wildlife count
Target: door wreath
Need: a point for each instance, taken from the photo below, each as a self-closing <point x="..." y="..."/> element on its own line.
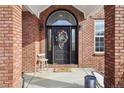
<point x="61" y="38"/>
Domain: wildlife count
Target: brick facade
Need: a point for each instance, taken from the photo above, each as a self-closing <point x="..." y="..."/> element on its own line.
<point x="114" y="46"/>
<point x="10" y="46"/>
<point x="86" y="56"/>
<point x="86" y="43"/>
<point x="19" y="48"/>
<point x="30" y="41"/>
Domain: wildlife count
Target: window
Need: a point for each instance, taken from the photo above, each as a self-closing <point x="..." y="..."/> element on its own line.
<point x="49" y="39"/>
<point x="61" y="17"/>
<point x="73" y="39"/>
<point x="99" y="36"/>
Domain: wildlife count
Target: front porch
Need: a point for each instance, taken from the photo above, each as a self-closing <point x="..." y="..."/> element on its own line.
<point x="50" y="79"/>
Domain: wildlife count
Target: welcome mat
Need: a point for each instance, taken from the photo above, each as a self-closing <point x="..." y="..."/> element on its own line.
<point x="62" y="69"/>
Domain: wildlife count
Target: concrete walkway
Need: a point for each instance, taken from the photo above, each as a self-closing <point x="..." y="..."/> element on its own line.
<point x="50" y="79"/>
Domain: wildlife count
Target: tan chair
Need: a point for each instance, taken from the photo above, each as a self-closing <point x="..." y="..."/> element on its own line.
<point x="42" y="62"/>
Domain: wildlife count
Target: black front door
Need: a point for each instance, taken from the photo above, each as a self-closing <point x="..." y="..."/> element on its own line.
<point x="61" y="45"/>
<point x="61" y="38"/>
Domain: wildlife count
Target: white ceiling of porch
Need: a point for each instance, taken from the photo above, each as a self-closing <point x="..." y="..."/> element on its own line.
<point x="88" y="10"/>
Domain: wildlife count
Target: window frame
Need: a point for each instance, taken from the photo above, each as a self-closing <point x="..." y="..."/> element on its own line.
<point x="98" y="52"/>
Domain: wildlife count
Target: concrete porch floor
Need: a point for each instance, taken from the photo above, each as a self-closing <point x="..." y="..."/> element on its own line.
<point x="50" y="79"/>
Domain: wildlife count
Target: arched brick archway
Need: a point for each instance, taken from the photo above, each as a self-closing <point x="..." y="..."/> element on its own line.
<point x="79" y="16"/>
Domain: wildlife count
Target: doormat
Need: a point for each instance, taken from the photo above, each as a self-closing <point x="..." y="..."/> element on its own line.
<point x="62" y="69"/>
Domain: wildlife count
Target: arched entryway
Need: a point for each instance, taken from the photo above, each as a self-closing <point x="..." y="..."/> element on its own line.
<point x="61" y="38"/>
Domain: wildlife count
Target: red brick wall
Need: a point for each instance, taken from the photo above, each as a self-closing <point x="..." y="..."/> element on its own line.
<point x="109" y="49"/>
<point x="17" y="46"/>
<point x="119" y="46"/>
<point x="10" y="46"/>
<point x="30" y="41"/>
<point x="86" y="43"/>
<point x="114" y="46"/>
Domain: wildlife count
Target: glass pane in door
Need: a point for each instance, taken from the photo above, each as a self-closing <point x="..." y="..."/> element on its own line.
<point x="73" y="46"/>
<point x="49" y="45"/>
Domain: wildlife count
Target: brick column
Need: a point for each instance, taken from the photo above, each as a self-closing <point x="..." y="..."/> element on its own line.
<point x="114" y="46"/>
<point x="10" y="46"/>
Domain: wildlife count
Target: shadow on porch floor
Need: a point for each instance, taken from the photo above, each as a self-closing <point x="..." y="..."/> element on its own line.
<point x="50" y="79"/>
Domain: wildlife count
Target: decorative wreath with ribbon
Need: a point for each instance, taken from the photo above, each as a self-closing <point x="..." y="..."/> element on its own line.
<point x="61" y="38"/>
